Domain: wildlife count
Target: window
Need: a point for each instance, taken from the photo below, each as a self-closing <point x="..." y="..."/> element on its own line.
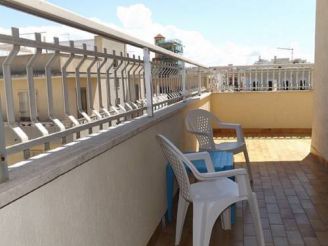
<point x="23" y="100"/>
<point x="117" y="83"/>
<point x="115" y="63"/>
<point x="286" y="85"/>
<point x="136" y="87"/>
<point x="84" y="99"/>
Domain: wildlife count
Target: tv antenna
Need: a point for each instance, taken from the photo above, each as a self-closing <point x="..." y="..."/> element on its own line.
<point x="290" y="49"/>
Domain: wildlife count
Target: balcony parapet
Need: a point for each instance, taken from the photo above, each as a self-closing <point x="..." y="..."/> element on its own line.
<point x="83" y="91"/>
<point x="28" y="175"/>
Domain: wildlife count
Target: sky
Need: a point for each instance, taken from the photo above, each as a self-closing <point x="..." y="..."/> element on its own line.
<point x="213" y="32"/>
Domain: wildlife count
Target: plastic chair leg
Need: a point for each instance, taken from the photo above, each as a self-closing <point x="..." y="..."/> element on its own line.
<point x="252" y="201"/>
<point x="226" y="219"/>
<point x="205" y="215"/>
<point x="199" y="214"/>
<point x="212" y="213"/>
<point x="182" y="211"/>
<point x="249" y="169"/>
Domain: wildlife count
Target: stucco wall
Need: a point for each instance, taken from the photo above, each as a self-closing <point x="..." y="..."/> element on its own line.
<point x="116" y="198"/>
<point x="287" y="109"/>
<point x="320" y="116"/>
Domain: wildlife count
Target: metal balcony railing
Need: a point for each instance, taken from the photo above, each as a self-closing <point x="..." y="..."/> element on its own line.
<point x="275" y="77"/>
<point x="99" y="88"/>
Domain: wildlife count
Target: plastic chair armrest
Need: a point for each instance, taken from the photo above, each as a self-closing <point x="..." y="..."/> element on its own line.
<point x="236" y="127"/>
<point x="222" y="174"/>
<point x="202" y="156"/>
<point x="226" y="125"/>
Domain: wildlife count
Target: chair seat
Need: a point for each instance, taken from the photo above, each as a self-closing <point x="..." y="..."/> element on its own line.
<point x="222" y="161"/>
<point x="214" y="190"/>
<point x="230" y="146"/>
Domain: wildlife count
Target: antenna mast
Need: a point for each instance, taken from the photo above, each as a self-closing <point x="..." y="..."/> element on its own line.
<point x="290" y="49"/>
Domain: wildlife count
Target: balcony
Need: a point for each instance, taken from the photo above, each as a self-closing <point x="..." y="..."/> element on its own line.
<point x="80" y="164"/>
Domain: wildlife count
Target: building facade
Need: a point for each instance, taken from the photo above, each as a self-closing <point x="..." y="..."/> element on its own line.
<point x="277" y="74"/>
<point x="83" y="72"/>
<point x="173" y="45"/>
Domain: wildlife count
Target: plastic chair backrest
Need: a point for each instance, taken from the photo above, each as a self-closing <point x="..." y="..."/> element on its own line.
<point x="177" y="161"/>
<point x="199" y="122"/>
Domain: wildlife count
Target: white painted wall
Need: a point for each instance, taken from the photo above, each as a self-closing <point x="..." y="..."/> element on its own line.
<point x="320" y="106"/>
<point x="116" y="198"/>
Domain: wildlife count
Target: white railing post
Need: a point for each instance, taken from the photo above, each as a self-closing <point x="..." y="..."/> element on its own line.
<point x="310" y="80"/>
<point x="148" y="81"/>
<point x="238" y="79"/>
<point x="3" y="153"/>
<point x="183" y="81"/>
<point x="199" y="82"/>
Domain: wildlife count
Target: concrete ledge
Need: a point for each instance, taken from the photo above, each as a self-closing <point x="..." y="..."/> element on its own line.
<point x="24" y="177"/>
<point x="250" y="132"/>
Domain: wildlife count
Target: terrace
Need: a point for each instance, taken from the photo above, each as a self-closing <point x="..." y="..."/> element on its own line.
<point x="80" y="164"/>
<point x="290" y="185"/>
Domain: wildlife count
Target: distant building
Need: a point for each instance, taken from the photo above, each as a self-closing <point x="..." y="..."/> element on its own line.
<point x="276" y="60"/>
<point x="264" y="75"/>
<point x="20" y="85"/>
<point x="173" y="45"/>
<point x="20" y="89"/>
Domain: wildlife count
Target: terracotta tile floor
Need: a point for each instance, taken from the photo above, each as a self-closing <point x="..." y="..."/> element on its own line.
<point x="292" y="191"/>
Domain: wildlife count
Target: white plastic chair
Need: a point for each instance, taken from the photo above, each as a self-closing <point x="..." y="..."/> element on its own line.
<point x="199" y="122"/>
<point x="211" y="196"/>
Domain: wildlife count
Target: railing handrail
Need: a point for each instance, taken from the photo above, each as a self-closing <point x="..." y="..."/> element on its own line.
<point x="52" y="12"/>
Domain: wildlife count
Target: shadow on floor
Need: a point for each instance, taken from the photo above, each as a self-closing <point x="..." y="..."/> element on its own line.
<point x="293" y="201"/>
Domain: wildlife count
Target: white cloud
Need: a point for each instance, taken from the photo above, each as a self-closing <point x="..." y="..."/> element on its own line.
<point x="135" y="16"/>
<point x="137" y="21"/>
